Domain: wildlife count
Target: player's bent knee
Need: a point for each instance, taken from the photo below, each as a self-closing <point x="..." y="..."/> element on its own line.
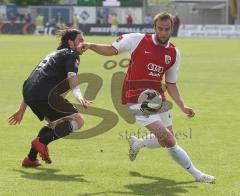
<point x="166" y="139"/>
<point x="170" y="142"/>
<point x="77" y="121"/>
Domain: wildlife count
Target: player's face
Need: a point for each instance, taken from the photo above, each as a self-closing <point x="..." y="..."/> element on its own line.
<point x="163" y="30"/>
<point x="79" y="39"/>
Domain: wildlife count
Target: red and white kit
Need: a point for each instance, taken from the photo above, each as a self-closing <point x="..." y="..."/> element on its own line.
<point x="149" y="64"/>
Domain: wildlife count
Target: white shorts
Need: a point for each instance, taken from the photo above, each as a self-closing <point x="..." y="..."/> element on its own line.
<point x="145" y="120"/>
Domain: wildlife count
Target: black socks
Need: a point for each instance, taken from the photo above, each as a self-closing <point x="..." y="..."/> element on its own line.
<point x="47" y="135"/>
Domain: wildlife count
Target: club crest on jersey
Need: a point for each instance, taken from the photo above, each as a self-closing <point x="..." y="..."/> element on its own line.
<point x="167" y="59"/>
<point x="119" y="38"/>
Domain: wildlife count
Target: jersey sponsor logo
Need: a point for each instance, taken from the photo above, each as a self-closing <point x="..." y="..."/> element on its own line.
<point x="168" y="59"/>
<point x="155" y="70"/>
<point x="155" y="67"/>
<point x="154" y="74"/>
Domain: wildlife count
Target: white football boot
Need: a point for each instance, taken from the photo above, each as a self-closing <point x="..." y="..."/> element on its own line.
<point x="205" y="178"/>
<point x="134" y="147"/>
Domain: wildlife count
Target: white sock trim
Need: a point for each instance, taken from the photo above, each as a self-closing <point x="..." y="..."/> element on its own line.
<point x="74" y="125"/>
<point x="181" y="157"/>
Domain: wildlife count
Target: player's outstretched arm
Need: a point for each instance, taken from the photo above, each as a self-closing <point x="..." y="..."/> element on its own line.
<point x="17" y="116"/>
<point x="102" y="49"/>
<point x="175" y="95"/>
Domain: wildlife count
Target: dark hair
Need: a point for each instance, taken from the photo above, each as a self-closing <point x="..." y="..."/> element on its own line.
<point x="163" y="16"/>
<point x="65" y="35"/>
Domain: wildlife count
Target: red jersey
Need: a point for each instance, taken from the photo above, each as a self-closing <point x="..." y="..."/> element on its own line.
<point x="148" y="64"/>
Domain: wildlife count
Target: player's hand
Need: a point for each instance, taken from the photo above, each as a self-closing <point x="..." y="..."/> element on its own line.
<point x="16" y="117"/>
<point x="82" y="47"/>
<point x="189" y="111"/>
<point x="84" y="102"/>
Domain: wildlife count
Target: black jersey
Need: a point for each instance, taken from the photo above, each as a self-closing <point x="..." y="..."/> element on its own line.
<point x="51" y="71"/>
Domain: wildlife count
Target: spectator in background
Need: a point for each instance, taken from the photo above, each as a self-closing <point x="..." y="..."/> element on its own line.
<point x="52" y="22"/>
<point x="3" y="17"/>
<point x="28" y="18"/>
<point x="76" y="21"/>
<point x="114" y="23"/>
<point x="129" y="19"/>
<point x="39" y="22"/>
<point x="61" y="24"/>
<point x="20" y="18"/>
<point x="100" y="20"/>
<point x="59" y="21"/>
<point x="147" y="19"/>
<point x="176" y="24"/>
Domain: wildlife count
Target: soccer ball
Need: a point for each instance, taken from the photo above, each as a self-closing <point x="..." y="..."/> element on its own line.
<point x="151" y="101"/>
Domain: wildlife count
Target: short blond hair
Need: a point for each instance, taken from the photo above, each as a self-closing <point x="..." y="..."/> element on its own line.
<point x="163" y="16"/>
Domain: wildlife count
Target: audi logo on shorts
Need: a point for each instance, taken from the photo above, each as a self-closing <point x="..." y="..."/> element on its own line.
<point x="155" y="67"/>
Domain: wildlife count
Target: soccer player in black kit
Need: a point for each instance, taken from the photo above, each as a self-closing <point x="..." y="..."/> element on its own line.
<point x="53" y="69"/>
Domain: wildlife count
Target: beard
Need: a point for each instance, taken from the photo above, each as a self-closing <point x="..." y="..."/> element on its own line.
<point x="161" y="41"/>
<point x="76" y="50"/>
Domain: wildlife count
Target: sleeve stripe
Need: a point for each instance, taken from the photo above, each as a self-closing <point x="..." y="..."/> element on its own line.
<point x="115" y="49"/>
<point x="170" y="82"/>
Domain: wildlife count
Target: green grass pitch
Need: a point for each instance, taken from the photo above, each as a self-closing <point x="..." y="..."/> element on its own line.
<point x="209" y="82"/>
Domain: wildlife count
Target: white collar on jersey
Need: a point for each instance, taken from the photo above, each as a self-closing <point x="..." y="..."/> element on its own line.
<point x="155" y="41"/>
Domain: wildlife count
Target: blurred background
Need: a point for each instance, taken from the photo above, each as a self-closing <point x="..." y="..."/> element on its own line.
<point x="211" y="18"/>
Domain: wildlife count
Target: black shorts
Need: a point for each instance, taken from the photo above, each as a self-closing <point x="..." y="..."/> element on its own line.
<point x="42" y="109"/>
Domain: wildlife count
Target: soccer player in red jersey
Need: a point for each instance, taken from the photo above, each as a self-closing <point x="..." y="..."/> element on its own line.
<point x="152" y="58"/>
